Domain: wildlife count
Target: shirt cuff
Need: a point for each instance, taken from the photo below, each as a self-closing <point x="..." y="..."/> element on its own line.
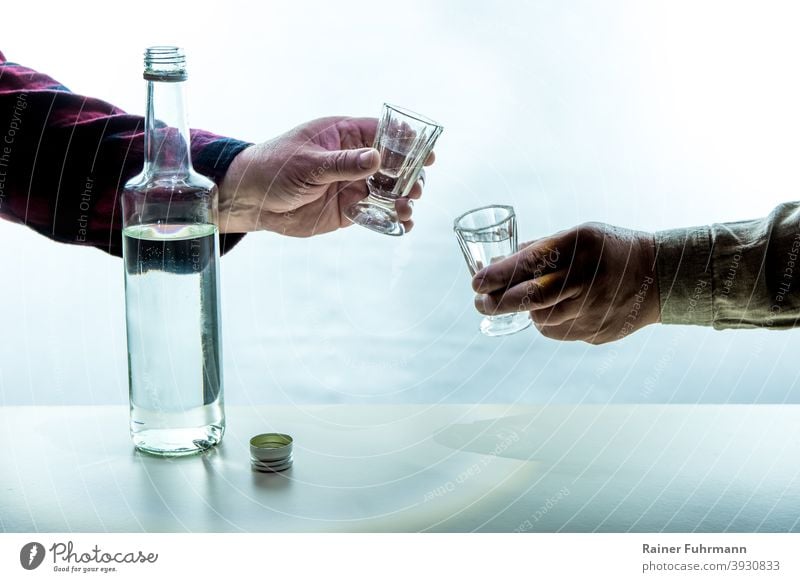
<point x="683" y="263"/>
<point x="750" y="258"/>
<point x="212" y="154"/>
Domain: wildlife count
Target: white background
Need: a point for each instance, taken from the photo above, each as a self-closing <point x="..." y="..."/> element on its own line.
<point x="367" y="557"/>
<point x="643" y="114"/>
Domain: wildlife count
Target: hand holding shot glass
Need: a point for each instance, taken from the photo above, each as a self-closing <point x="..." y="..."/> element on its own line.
<point x="405" y="140"/>
<point x="486" y="235"/>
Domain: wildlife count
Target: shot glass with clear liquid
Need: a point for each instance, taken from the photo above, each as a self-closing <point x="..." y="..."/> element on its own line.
<point x="405" y="140"/>
<point x="486" y="235"/>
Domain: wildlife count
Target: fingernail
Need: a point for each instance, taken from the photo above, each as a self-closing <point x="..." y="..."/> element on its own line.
<point x="366" y="159"/>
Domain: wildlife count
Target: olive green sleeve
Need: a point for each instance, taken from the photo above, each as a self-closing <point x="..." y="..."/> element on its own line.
<point x="733" y="275"/>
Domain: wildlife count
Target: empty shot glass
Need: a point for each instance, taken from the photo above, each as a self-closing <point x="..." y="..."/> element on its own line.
<point x="405" y="140"/>
<point x="486" y="235"/>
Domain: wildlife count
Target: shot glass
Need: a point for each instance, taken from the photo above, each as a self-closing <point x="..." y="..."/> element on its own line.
<point x="486" y="235"/>
<point x="404" y="140"/>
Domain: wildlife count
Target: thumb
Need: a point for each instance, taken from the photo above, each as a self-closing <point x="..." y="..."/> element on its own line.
<point x="349" y="164"/>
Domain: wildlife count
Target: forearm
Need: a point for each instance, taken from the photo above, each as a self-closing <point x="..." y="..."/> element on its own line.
<point x="734" y="275"/>
<point x="64" y="158"/>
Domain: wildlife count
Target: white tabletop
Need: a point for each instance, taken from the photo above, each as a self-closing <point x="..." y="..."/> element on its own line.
<point x="414" y="468"/>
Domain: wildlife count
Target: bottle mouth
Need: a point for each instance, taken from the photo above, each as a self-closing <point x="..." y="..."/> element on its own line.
<point x="164" y="63"/>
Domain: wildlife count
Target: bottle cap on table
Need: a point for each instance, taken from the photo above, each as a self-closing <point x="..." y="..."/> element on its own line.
<point x="271" y="452"/>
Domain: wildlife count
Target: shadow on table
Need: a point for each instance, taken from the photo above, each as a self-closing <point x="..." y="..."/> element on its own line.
<point x="568" y="437"/>
<point x="508" y="436"/>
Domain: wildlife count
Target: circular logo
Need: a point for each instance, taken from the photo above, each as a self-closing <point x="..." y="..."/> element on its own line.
<point x="31" y="555"/>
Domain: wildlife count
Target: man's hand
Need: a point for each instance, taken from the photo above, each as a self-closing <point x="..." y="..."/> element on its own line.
<point x="595" y="283"/>
<point x="299" y="183"/>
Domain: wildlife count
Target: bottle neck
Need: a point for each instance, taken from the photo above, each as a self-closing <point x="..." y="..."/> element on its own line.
<point x="166" y="138"/>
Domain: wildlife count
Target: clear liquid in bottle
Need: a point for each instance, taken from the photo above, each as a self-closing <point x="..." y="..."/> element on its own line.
<point x="173" y="325"/>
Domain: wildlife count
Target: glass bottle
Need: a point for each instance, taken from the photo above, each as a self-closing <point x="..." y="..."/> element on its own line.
<point x="171" y="256"/>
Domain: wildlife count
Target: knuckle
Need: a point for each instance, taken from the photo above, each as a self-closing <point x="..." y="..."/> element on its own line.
<point x="533" y="291"/>
<point x="340" y="162"/>
<point x="538" y="260"/>
<point x="530" y="261"/>
<point x="481" y="282"/>
<point x="591" y="234"/>
<point x="531" y="296"/>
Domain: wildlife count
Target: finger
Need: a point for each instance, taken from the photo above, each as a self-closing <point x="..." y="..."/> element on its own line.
<point x="556" y="315"/>
<point x="538" y="293"/>
<point x="408" y="225"/>
<point x="416" y="191"/>
<point x="430" y="159"/>
<point x="357" y="132"/>
<point x="349" y="197"/>
<point x="536" y="259"/>
<point x="572" y="331"/>
<point x="358" y="188"/>
<point x="404" y="208"/>
<point x="564" y="332"/>
<point x="348" y="165"/>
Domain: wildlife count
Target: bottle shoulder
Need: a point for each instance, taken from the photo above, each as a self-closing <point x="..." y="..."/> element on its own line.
<point x="184" y="182"/>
